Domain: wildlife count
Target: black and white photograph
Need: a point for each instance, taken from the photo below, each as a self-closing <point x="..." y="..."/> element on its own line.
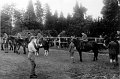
<point x="59" y="39"/>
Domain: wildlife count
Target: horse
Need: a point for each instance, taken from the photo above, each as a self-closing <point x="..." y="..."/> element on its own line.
<point x="15" y="44"/>
<point x="37" y="43"/>
<point x="90" y="45"/>
<point x="11" y="41"/>
<point x="43" y="44"/>
<point x="22" y="42"/>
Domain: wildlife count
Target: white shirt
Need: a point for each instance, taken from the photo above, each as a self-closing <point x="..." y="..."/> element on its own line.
<point x="31" y="47"/>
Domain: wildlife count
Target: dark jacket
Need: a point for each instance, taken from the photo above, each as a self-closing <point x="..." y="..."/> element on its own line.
<point x="113" y="47"/>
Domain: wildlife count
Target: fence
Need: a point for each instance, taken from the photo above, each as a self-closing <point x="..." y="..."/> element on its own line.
<point x="61" y="42"/>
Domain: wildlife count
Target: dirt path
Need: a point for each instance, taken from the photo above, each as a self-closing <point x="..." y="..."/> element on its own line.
<point x="56" y="66"/>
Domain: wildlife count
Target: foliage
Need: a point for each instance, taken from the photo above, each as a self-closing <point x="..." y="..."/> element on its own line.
<point x="110" y="11"/>
<point x="38" y="19"/>
<point x="39" y="12"/>
<point x="6" y="18"/>
<point x="30" y="18"/>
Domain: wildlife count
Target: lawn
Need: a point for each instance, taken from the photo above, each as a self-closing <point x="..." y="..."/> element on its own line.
<point x="57" y="65"/>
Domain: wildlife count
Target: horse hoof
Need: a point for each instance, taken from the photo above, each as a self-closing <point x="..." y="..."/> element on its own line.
<point x="73" y="62"/>
<point x="81" y="61"/>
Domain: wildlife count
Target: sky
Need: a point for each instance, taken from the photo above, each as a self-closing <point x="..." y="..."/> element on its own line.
<point x="66" y="6"/>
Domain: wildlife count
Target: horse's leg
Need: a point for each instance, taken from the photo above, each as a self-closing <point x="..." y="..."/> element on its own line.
<point x="80" y="54"/>
<point x="2" y="47"/>
<point x="24" y="49"/>
<point x="37" y="53"/>
<point x="6" y="47"/>
<point x="95" y="55"/>
<point x="14" y="48"/>
<point x="46" y="53"/>
<point x="94" y="58"/>
<point x="18" y="47"/>
<point x="116" y="59"/>
<point x="10" y="46"/>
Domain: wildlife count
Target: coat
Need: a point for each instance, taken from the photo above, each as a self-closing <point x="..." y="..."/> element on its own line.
<point x="113" y="49"/>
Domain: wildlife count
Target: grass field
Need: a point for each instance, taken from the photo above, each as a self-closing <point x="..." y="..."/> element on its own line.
<point x="57" y="65"/>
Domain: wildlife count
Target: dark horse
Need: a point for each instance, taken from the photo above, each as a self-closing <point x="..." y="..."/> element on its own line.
<point x="15" y="43"/>
<point x="90" y="45"/>
<point x="9" y="42"/>
<point x="44" y="44"/>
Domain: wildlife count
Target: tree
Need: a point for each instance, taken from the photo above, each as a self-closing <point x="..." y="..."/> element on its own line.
<point x="6" y="18"/>
<point x="110" y="11"/>
<point x="62" y="23"/>
<point x="39" y="12"/>
<point x="69" y="20"/>
<point x="48" y="18"/>
<point x="19" y="21"/>
<point x="30" y="18"/>
<point x="78" y="15"/>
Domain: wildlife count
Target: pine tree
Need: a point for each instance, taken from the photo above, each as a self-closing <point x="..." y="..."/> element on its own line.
<point x="110" y="11"/>
<point x="30" y="18"/>
<point x="39" y="11"/>
<point x="79" y="12"/>
<point x="6" y="18"/>
<point x="48" y="17"/>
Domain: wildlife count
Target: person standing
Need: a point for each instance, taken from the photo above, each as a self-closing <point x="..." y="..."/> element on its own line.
<point x="113" y="48"/>
<point x="29" y="37"/>
<point x="31" y="56"/>
<point x="4" y="43"/>
<point x="5" y="37"/>
<point x="72" y="50"/>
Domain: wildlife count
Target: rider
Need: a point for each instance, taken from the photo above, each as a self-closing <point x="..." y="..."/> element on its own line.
<point x="84" y="39"/>
<point x="31" y="56"/>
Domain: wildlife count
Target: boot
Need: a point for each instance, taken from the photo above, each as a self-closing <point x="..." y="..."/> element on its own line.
<point x="33" y="76"/>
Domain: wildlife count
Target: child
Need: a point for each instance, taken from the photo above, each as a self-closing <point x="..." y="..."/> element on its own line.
<point x="72" y="50"/>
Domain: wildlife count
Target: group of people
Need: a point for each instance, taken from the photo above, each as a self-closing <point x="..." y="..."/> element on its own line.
<point x="113" y="46"/>
<point x="72" y="46"/>
<point x="33" y="42"/>
<point x="32" y="50"/>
